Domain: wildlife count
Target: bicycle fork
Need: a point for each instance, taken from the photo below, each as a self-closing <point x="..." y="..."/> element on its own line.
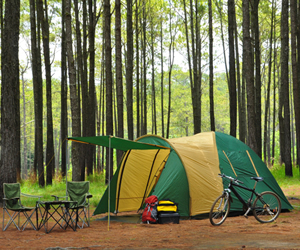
<point x="227" y="196"/>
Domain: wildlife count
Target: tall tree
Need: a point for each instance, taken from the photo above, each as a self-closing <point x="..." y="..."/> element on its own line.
<point x="153" y="98"/>
<point x="267" y="104"/>
<point x="50" y="159"/>
<point x="248" y="70"/>
<point x="286" y="136"/>
<point x="255" y="25"/>
<point x="137" y="44"/>
<point x="194" y="60"/>
<point x="24" y="165"/>
<point x="10" y="96"/>
<point x="211" y="70"/>
<point x="82" y="81"/>
<point x="129" y="70"/>
<point x="75" y="112"/>
<point x="240" y="89"/>
<point x="162" y="78"/>
<point x="232" y="76"/>
<point x="172" y="32"/>
<point x="119" y="81"/>
<point x="109" y="84"/>
<point x="295" y="68"/>
<point x="64" y="94"/>
<point x="144" y="71"/>
<point x="92" y="89"/>
<point x="38" y="94"/>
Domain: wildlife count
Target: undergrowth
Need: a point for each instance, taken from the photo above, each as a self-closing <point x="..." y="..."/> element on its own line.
<point x="58" y="188"/>
<point x="97" y="185"/>
<point x="278" y="172"/>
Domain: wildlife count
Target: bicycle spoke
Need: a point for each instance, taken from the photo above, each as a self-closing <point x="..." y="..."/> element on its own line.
<point x="267" y="207"/>
<point x="219" y="210"/>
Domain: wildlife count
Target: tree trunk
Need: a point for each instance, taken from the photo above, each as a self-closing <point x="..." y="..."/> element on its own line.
<point x="171" y="62"/>
<point x="211" y="68"/>
<point x="50" y="159"/>
<point x="119" y="76"/>
<point x="162" y="79"/>
<point x="249" y="76"/>
<point x="109" y="84"/>
<point x="267" y="104"/>
<point x="82" y="78"/>
<point x="138" y="113"/>
<point x="274" y="101"/>
<point x="222" y="38"/>
<point x="91" y="94"/>
<point x="38" y="96"/>
<point x="75" y="112"/>
<point x="295" y="67"/>
<point x="10" y="96"/>
<point x="24" y="174"/>
<point x="144" y="91"/>
<point x="232" y="77"/>
<point x="285" y="87"/>
<point x="129" y="70"/>
<point x="64" y="95"/>
<point x="153" y="98"/>
<point x="257" y="77"/>
<point x="240" y="88"/>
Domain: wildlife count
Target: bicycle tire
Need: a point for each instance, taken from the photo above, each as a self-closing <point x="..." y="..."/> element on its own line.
<point x="219" y="210"/>
<point x="266" y="207"/>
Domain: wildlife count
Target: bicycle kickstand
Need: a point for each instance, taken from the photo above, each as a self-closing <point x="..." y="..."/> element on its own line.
<point x="246" y="214"/>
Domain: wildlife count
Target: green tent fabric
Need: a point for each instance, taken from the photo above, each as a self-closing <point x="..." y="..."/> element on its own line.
<point x="236" y="152"/>
<point x="188" y="174"/>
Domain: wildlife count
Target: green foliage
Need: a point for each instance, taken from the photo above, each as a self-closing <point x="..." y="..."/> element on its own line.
<point x="278" y="172"/>
<point x="58" y="188"/>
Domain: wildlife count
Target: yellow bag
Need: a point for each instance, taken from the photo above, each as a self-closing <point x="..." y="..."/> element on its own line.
<point x="167" y="206"/>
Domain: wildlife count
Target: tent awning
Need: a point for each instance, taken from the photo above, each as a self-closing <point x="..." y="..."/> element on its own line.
<point x="115" y="142"/>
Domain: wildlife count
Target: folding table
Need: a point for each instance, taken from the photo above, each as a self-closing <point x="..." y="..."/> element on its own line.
<point x="60" y="211"/>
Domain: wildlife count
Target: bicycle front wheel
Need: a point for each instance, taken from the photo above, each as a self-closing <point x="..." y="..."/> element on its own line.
<point x="266" y="207"/>
<point x="219" y="210"/>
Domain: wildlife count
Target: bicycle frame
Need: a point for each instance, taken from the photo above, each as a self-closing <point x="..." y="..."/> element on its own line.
<point x="253" y="192"/>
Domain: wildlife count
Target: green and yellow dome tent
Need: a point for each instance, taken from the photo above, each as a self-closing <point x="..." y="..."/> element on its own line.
<point x="185" y="170"/>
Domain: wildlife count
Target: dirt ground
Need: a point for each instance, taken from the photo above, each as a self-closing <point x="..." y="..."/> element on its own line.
<point x="235" y="233"/>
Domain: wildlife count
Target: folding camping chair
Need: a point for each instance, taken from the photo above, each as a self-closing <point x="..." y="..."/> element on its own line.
<point x="79" y="191"/>
<point x="12" y="202"/>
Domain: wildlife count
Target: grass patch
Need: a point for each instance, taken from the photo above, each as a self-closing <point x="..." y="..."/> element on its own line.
<point x="97" y="186"/>
<point x="285" y="181"/>
<point x="58" y="187"/>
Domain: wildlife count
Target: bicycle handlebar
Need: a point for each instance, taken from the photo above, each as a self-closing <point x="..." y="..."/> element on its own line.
<point x="230" y="178"/>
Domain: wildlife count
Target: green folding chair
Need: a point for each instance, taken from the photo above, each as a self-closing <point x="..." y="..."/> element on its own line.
<point x="13" y="208"/>
<point x="79" y="191"/>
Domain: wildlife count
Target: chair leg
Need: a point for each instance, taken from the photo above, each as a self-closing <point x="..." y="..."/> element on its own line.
<point x="28" y="219"/>
<point x="11" y="220"/>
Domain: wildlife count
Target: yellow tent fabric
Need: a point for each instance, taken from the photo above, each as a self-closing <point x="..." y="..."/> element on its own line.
<point x="200" y="158"/>
<point x="136" y="181"/>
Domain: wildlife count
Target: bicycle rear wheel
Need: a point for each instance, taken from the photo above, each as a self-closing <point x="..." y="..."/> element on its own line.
<point x="219" y="210"/>
<point x="266" y="207"/>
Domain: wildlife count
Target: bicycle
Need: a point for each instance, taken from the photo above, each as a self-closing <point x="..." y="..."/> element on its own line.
<point x="266" y="206"/>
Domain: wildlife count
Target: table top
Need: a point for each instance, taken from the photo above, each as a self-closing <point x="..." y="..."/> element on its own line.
<point x="56" y="202"/>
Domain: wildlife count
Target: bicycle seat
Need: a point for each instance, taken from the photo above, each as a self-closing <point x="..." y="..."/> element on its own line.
<point x="257" y="178"/>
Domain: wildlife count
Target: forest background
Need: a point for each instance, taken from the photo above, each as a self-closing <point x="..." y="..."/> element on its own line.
<point x="170" y="68"/>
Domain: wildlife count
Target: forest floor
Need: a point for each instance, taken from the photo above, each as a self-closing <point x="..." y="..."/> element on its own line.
<point x="234" y="233"/>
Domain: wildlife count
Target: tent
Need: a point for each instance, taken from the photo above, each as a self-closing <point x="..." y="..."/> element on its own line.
<point x="185" y="170"/>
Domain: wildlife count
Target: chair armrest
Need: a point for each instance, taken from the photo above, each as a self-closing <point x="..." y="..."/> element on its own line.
<point x="56" y="198"/>
<point x="31" y="196"/>
<point x="89" y="196"/>
<point x="14" y="198"/>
